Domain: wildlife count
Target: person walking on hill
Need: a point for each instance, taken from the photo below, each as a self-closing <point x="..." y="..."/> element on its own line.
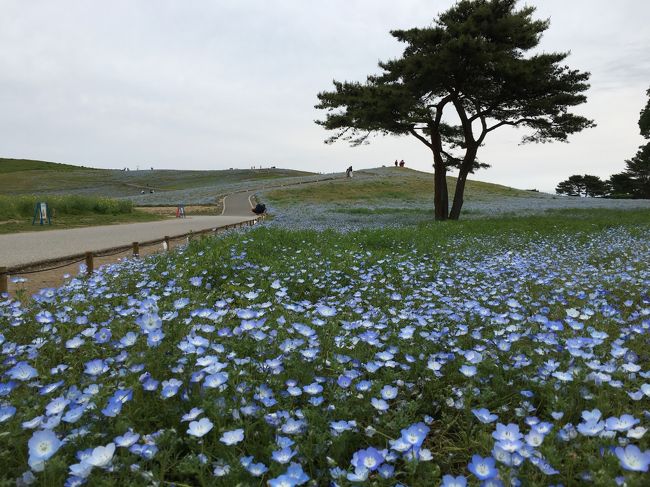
<point x="396" y="163"/>
<point x="348" y="172"/>
<point x="401" y="163"/>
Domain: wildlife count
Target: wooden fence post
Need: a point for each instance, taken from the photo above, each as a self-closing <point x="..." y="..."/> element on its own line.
<point x="136" y="249"/>
<point x="4" y="280"/>
<point x="90" y="265"/>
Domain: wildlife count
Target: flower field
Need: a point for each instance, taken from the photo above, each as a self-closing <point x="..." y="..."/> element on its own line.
<point x="497" y="352"/>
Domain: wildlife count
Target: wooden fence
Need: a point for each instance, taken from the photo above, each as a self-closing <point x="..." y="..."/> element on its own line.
<point x="89" y="256"/>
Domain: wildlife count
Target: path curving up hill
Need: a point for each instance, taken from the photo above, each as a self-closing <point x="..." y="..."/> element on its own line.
<point x="23" y="248"/>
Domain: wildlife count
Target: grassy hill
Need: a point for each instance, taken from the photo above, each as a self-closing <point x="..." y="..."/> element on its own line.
<point x="18" y="165"/>
<point x="21" y="177"/>
<point x="386" y="186"/>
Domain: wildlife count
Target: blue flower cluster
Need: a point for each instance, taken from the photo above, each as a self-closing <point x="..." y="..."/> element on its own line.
<point x="337" y="364"/>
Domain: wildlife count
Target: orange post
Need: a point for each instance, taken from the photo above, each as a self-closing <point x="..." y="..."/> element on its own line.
<point x="4" y="280"/>
<point x="90" y="265"/>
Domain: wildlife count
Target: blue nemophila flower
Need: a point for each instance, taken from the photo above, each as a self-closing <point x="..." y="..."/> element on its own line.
<point x="22" y="371"/>
<point x="364" y="385"/>
<point x="379" y="404"/>
<point x="232" y="437"/>
<point x="101" y="455"/>
<point x="255" y="469"/>
<point x="127" y="439"/>
<point x="180" y="303"/>
<point x="56" y="406"/>
<point x="154" y="337"/>
<point x="313" y="389"/>
<point x="6" y="412"/>
<point x="192" y="415"/>
<point x="103" y="336"/>
<point x="591" y="428"/>
<point x="624" y="423"/>
<point x="282" y="481"/>
<point x="221" y="469"/>
<point x="74" y="414"/>
<point x="632" y="458"/>
<point x="149" y="322"/>
<point x="284" y="455"/>
<point x="44" y="317"/>
<point x="535" y="437"/>
<point x="545" y="467"/>
<point x="344" y="381"/>
<point x="196" y="281"/>
<point x="293" y="426"/>
<point x="325" y="310"/>
<point x="74" y="342"/>
<point x="508" y="432"/>
<point x="170" y="388"/>
<point x="7" y="387"/>
<point x="81" y="470"/>
<point x="215" y="380"/>
<point x="637" y="433"/>
<point x="95" y="367"/>
<point x="294" y="391"/>
<point x="388" y="392"/>
<point x="450" y="481"/>
<point x="484" y="415"/>
<point x="48" y="388"/>
<point x="415" y="434"/>
<point x="42" y="445"/>
<point x="150" y="384"/>
<point x="483" y="468"/>
<point x="339" y="427"/>
<point x="200" y="428"/>
<point x="386" y="471"/>
<point x="369" y="459"/>
<point x="129" y="339"/>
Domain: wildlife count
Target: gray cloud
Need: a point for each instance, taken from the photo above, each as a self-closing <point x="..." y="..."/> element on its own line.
<point x="233" y="83"/>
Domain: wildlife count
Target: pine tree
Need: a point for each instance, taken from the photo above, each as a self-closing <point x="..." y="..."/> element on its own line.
<point x="458" y="81"/>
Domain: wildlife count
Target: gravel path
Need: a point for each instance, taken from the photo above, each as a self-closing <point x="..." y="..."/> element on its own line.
<point x="23" y="248"/>
<point x="238" y="204"/>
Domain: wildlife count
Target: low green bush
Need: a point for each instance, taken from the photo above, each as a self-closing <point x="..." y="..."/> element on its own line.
<point x="14" y="207"/>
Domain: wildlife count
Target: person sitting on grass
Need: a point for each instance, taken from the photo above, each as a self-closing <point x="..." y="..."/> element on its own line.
<point x="259" y="209"/>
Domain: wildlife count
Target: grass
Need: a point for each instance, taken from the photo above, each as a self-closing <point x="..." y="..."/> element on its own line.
<point x="18" y="165"/>
<point x="37" y="177"/>
<point x="23" y="206"/>
<point x="16" y="213"/>
<point x="382" y="185"/>
<point x="293" y="337"/>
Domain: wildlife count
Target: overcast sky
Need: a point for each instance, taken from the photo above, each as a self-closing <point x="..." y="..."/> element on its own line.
<point x="232" y="83"/>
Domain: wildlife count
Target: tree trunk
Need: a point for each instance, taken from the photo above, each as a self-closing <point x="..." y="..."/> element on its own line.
<point x="458" y="195"/>
<point x="465" y="167"/>
<point x="440" y="195"/>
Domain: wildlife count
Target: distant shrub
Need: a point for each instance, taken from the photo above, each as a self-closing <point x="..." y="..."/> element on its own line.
<point x="23" y="206"/>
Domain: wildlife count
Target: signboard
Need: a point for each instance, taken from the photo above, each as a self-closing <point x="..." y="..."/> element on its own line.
<point x="41" y="213"/>
<point x="180" y="211"/>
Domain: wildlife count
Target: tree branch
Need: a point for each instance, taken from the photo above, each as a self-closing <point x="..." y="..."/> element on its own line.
<point x="466" y="124"/>
<point x="514" y="123"/>
<point x="420" y="138"/>
<point x="484" y="131"/>
<point x="448" y="155"/>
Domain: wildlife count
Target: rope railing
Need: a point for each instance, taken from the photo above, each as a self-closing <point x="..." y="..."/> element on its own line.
<point x="68" y="260"/>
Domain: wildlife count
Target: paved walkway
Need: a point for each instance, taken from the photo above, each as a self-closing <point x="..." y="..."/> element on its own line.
<point x="23" y="248"/>
<point x="239" y="204"/>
